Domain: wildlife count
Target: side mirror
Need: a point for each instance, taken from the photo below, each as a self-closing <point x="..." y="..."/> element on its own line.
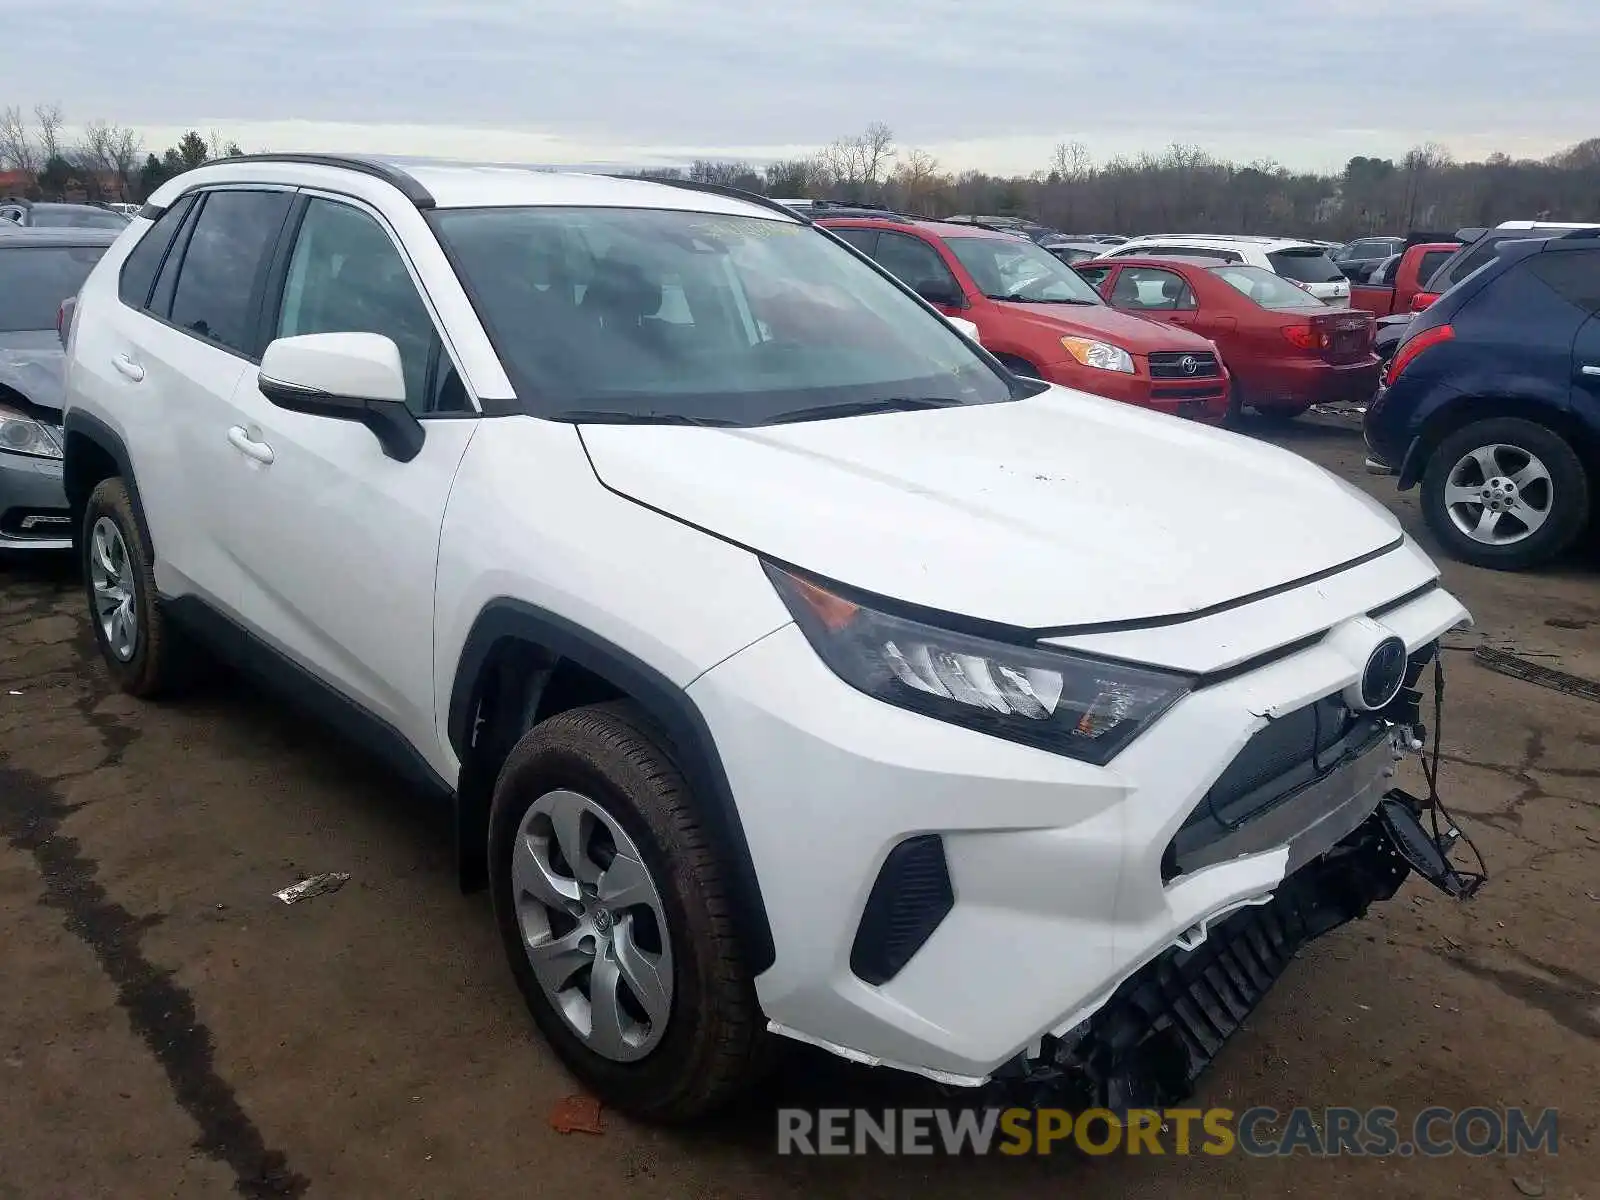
<point x="348" y="377"/>
<point x="942" y="292"/>
<point x="966" y="328"/>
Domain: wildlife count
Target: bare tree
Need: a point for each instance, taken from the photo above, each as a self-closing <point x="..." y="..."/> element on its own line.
<point x="875" y="149"/>
<point x="50" y="121"/>
<point x="1071" y="162"/>
<point x="17" y="147"/>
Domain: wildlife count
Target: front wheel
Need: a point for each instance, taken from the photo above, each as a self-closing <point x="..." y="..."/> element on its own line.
<point x="1505" y="493"/>
<point x="616" y="920"/>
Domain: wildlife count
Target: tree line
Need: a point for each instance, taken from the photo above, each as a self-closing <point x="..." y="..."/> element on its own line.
<point x="1183" y="188"/>
<point x="1180" y="188"/>
<point x="103" y="162"/>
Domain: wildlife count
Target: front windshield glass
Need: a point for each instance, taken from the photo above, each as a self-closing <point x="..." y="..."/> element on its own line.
<point x="617" y="314"/>
<point x="1265" y="288"/>
<point x="1011" y="269"/>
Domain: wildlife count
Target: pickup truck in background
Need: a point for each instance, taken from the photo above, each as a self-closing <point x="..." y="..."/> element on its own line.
<point x="1394" y="286"/>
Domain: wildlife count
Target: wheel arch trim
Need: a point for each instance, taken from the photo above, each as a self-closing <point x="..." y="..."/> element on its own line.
<point x="506" y="619"/>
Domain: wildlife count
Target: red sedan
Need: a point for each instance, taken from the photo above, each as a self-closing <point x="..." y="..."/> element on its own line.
<point x="1285" y="349"/>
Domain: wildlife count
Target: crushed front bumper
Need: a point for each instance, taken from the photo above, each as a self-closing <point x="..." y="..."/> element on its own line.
<point x="1163" y="1026"/>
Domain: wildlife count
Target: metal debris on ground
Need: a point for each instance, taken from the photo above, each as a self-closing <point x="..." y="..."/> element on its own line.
<point x="1518" y="667"/>
<point x="1528" y="1187"/>
<point x="576" y="1114"/>
<point x="317" y="885"/>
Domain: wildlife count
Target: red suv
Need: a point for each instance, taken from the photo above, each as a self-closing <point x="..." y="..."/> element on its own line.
<point x="1040" y="318"/>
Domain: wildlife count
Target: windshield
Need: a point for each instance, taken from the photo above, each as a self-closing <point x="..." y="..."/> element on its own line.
<point x="662" y="315"/>
<point x="1265" y="288"/>
<point x="1015" y="270"/>
<point x="34" y="280"/>
<point x="1311" y="265"/>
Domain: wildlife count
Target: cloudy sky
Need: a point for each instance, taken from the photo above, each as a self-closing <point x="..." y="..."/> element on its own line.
<point x="980" y="83"/>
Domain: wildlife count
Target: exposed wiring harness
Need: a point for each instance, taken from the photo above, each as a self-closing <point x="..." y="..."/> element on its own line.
<point x="1466" y="882"/>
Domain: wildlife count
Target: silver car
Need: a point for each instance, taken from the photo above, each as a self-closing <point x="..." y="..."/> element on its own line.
<point x="39" y="270"/>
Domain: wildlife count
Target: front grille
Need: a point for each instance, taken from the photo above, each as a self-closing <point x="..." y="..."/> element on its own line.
<point x="1169" y="364"/>
<point x="1291" y="752"/>
<point x="911" y="896"/>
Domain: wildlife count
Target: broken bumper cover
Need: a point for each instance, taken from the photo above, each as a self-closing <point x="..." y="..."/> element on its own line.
<point x="1163" y="1026"/>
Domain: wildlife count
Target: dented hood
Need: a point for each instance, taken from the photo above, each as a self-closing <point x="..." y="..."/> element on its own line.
<point x="34" y="366"/>
<point x="1060" y="510"/>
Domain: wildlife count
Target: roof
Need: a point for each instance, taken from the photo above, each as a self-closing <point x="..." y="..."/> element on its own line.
<point x="937" y="228"/>
<point x="1164" y="261"/>
<point x="471" y="185"/>
<point x="83" y="235"/>
<point x="1221" y="241"/>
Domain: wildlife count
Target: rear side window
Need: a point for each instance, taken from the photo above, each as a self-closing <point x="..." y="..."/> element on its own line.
<point x="224" y="265"/>
<point x="864" y="240"/>
<point x="1305" y="266"/>
<point x="1575" y="276"/>
<point x="144" y="260"/>
<point x="1482" y="251"/>
<point x="34" y="280"/>
<point x="1431" y="262"/>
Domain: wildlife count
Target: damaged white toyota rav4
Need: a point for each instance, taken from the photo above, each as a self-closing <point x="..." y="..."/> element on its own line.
<point x="793" y="669"/>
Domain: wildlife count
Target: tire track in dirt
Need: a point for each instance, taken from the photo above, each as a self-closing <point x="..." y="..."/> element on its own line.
<point x="162" y="1012"/>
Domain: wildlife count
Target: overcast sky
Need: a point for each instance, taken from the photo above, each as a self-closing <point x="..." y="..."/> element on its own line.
<point x="980" y="83"/>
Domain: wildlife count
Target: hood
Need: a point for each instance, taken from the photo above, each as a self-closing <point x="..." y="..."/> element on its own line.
<point x="33" y="365"/>
<point x="1104" y="323"/>
<point x="1060" y="510"/>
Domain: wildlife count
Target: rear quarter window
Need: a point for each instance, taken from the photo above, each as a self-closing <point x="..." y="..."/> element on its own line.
<point x="139" y="269"/>
<point x="1305" y="266"/>
<point x="1573" y="275"/>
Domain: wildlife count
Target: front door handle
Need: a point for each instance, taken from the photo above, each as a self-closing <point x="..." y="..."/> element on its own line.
<point x="128" y="367"/>
<point x="239" y="438"/>
<point x="1591" y="369"/>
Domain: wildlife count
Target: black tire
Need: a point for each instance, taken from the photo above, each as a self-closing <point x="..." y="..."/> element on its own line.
<point x="1281" y="416"/>
<point x="1569" y="500"/>
<point x="163" y="662"/>
<point x="715" y="1044"/>
<point x="1019" y="366"/>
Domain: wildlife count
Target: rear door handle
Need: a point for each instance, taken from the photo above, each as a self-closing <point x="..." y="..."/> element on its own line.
<point x="1590" y="369"/>
<point x="128" y="367"/>
<point x="239" y="438"/>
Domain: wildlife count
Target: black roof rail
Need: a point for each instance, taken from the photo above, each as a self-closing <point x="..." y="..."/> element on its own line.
<point x="732" y="193"/>
<point x="399" y="178"/>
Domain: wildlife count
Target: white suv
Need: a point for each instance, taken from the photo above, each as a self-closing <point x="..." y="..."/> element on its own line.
<point x="1304" y="264"/>
<point x="791" y="667"/>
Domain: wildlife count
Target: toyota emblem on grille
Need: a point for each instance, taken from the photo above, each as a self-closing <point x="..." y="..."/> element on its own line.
<point x="1189" y="364"/>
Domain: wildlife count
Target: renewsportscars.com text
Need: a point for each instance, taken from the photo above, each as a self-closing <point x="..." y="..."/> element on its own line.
<point x="1256" y="1132"/>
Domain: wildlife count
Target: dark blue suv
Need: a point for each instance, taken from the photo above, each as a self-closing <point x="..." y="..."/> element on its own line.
<point x="1492" y="403"/>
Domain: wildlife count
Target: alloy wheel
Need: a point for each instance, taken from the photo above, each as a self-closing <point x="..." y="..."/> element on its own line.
<point x="116" y="603"/>
<point x="1499" y="495"/>
<point x="593" y="925"/>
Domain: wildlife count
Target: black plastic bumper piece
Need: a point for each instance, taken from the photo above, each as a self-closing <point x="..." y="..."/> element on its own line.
<point x="1150" y="1042"/>
<point x="911" y="895"/>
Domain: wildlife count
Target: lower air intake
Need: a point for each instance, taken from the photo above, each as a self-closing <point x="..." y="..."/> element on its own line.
<point x="911" y="896"/>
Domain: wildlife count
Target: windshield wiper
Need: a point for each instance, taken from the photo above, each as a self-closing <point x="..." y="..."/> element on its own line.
<point x="602" y="417"/>
<point x="864" y="408"/>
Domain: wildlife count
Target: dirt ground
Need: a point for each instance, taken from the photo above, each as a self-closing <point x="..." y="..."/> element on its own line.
<point x="168" y="1029"/>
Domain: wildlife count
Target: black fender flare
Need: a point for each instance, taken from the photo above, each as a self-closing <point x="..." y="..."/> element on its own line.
<point x="668" y="704"/>
<point x="93" y="429"/>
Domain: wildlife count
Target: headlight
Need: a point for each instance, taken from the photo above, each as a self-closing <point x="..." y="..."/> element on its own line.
<point x="1085" y="708"/>
<point x="21" y="434"/>
<point x="1099" y="354"/>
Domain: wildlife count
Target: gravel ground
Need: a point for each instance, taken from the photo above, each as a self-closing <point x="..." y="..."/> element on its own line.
<point x="167" y="1028"/>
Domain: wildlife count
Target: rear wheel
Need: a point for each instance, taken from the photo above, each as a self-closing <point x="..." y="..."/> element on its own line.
<point x="1505" y="493"/>
<point x="146" y="655"/>
<point x="615" y="919"/>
